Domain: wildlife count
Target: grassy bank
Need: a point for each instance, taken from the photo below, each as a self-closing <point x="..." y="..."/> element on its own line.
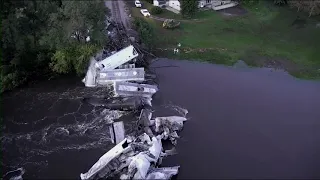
<point x="266" y="36"/>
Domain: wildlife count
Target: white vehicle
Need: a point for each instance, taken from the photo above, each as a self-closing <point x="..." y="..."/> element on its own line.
<point x="145" y="12"/>
<point x="137" y="3"/>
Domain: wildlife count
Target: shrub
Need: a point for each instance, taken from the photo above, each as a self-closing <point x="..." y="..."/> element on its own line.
<point x="249" y="2"/>
<point x="189" y="8"/>
<point x="73" y="59"/>
<point x="280" y="2"/>
<point x="156" y="10"/>
<point x="11" y="80"/>
<point x="145" y="30"/>
<point x="150" y="1"/>
<point x="170" y="24"/>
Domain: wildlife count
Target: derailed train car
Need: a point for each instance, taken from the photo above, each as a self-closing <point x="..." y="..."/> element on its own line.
<point x="132" y="157"/>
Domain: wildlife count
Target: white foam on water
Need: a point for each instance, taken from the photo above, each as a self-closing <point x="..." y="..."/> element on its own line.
<point x="89" y="130"/>
<point x="182" y="111"/>
<point x="15" y="174"/>
<point x="81" y="135"/>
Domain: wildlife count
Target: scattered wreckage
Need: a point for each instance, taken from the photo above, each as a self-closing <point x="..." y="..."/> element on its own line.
<point x="117" y="68"/>
<point x="119" y="58"/>
<point x="129" y="74"/>
<point x="132" y="157"/>
<point x="139" y="158"/>
<point x="134" y="89"/>
<point x="119" y="103"/>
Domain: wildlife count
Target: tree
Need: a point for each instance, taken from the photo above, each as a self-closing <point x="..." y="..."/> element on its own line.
<point x="314" y="7"/>
<point x="280" y="2"/>
<point x="71" y="26"/>
<point x="145" y="30"/>
<point x="189" y="8"/>
<point x="310" y="6"/>
<point x="249" y="2"/>
<point x="44" y="36"/>
<point x="73" y="58"/>
<point x="75" y="21"/>
<point x="23" y="24"/>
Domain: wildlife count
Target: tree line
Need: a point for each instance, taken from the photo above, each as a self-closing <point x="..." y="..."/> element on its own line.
<point x="40" y="38"/>
<point x="312" y="7"/>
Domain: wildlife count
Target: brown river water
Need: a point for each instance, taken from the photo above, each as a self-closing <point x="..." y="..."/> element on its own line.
<point x="243" y="123"/>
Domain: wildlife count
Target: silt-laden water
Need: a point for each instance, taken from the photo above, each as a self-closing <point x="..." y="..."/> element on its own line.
<point x="244" y="123"/>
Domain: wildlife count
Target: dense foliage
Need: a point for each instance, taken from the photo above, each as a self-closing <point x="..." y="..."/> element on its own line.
<point x="41" y="37"/>
<point x="280" y="2"/>
<point x="145" y="30"/>
<point x="156" y="10"/>
<point x="310" y="6"/>
<point x="189" y="8"/>
<point x="249" y="2"/>
<point x="150" y="1"/>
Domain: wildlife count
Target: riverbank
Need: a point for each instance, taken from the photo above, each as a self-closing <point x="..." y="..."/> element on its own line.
<point x="266" y="36"/>
<point x="245" y="123"/>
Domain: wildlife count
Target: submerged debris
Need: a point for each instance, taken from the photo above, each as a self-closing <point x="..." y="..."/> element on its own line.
<point x="117" y="132"/>
<point x="15" y="174"/>
<point x="163" y="173"/>
<point x="133" y="157"/>
<point x="108" y="162"/>
<point x="145" y="117"/>
<point x="122" y="103"/>
<point x="139" y="158"/>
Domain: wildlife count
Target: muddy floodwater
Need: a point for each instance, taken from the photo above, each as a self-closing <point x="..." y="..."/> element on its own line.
<point x="243" y="123"/>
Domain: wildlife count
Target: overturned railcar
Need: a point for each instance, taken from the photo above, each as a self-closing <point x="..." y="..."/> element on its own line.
<point x="117" y="59"/>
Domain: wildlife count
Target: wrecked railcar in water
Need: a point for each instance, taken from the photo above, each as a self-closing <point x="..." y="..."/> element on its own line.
<point x="133" y="157"/>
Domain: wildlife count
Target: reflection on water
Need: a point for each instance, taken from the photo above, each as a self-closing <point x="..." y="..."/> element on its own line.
<point x="246" y="122"/>
<point x="239" y="117"/>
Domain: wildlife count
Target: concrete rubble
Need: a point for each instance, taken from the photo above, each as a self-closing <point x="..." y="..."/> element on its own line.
<point x="133" y="157"/>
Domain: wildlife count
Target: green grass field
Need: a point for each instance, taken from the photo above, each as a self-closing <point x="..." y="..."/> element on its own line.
<point x="265" y="36"/>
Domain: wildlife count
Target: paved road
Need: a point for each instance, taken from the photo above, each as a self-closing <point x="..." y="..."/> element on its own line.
<point x="245" y="123"/>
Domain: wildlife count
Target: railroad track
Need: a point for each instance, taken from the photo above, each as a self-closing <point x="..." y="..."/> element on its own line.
<point x="117" y="18"/>
<point x="123" y="38"/>
<point x="116" y="12"/>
